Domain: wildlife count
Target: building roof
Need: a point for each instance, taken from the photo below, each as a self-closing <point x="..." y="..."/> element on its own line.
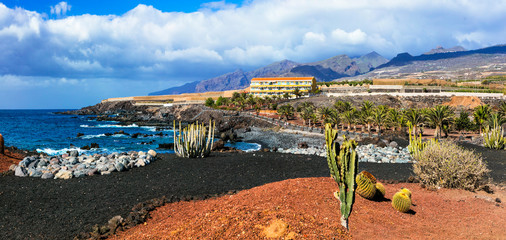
<point x="282" y="79"/>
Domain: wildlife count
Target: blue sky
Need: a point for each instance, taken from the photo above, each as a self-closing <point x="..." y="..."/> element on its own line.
<point x="71" y="54"/>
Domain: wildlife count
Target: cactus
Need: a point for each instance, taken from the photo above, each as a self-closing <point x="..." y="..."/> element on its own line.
<point x="366" y="185"/>
<point x="343" y="165"/>
<point x="406" y="191"/>
<point x="493" y="138"/>
<point x="401" y="201"/>
<point x="380" y="190"/>
<point x="2" y="148"/>
<point x="192" y="141"/>
<point x="416" y="145"/>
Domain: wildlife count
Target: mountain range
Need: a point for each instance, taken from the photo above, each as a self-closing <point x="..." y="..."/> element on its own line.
<point x="367" y="66"/>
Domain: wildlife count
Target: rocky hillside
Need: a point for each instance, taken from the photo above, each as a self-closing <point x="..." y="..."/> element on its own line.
<point x="440" y="63"/>
<point x="325" y="70"/>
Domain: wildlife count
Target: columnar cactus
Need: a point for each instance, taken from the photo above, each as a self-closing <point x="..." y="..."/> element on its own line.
<point x="343" y="165"/>
<point x="192" y="141"/>
<point x="401" y="201"/>
<point x="366" y="185"/>
<point x="2" y="148"/>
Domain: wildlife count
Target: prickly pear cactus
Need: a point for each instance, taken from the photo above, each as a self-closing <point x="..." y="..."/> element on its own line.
<point x="380" y="190"/>
<point x="366" y="185"/>
<point x="401" y="202"/>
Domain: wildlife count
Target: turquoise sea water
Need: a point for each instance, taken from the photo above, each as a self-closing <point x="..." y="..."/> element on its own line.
<point x="44" y="131"/>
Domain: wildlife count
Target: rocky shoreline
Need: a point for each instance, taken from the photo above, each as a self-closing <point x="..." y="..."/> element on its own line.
<point x="67" y="166"/>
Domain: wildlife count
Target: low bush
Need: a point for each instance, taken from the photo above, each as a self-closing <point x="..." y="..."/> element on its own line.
<point x="445" y="164"/>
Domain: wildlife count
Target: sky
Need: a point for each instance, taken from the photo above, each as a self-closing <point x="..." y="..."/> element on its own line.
<point x="75" y="53"/>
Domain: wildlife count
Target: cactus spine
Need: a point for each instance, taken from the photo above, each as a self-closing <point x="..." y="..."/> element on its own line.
<point x="343" y="165"/>
<point x="2" y="148"/>
<point x="366" y="185"/>
<point x="192" y="141"/>
<point x="401" y="201"/>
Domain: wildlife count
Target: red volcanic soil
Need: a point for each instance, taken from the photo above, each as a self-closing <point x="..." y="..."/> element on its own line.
<point x="305" y="208"/>
<point x="9" y="158"/>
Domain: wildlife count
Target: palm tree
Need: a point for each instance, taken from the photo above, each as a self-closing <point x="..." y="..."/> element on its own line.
<point x="396" y="118"/>
<point x="481" y="115"/>
<point x="366" y="115"/>
<point x="297" y="92"/>
<point x="349" y="117"/>
<point x="502" y="108"/>
<point x="334" y="118"/>
<point x="324" y="113"/>
<point x="286" y="111"/>
<point x="379" y="117"/>
<point x="286" y="96"/>
<point x="439" y="116"/>
<point x="496" y="119"/>
<point x="306" y="113"/>
<point x="251" y="100"/>
<point x="342" y="107"/>
<point x="415" y="117"/>
<point x="313" y="118"/>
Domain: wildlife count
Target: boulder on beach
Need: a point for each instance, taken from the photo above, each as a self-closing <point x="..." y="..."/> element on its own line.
<point x="152" y="153"/>
<point x="20" y="171"/>
<point x="63" y="174"/>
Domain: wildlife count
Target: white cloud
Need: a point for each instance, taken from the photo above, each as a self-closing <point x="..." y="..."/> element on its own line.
<point x="149" y="44"/>
<point x="353" y="38"/>
<point x="60" y="9"/>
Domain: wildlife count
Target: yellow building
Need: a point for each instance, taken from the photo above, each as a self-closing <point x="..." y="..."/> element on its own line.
<point x="280" y="85"/>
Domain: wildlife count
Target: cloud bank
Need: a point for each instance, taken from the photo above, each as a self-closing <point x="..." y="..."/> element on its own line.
<point x="146" y="44"/>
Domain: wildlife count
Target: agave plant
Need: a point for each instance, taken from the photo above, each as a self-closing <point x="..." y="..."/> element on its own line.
<point x="192" y="141"/>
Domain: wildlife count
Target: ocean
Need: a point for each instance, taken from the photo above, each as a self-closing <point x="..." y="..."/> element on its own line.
<point x="53" y="134"/>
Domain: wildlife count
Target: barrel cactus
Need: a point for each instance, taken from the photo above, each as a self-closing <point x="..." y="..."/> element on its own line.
<point x="380" y="190"/>
<point x="406" y="191"/>
<point x="366" y="185"/>
<point x="401" y="201"/>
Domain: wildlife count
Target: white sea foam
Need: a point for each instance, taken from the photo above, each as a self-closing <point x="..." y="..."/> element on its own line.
<point x="92" y="136"/>
<point x="245" y="146"/>
<point x="53" y="152"/>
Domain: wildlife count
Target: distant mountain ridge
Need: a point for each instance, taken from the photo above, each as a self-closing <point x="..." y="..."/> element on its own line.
<point x="440" y="49"/>
<point x="453" y="61"/>
<point x="326" y="70"/>
<point x="406" y="58"/>
<point x="443" y="63"/>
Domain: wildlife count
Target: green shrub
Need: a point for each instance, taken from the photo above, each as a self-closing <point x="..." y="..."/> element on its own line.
<point x="445" y="164"/>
